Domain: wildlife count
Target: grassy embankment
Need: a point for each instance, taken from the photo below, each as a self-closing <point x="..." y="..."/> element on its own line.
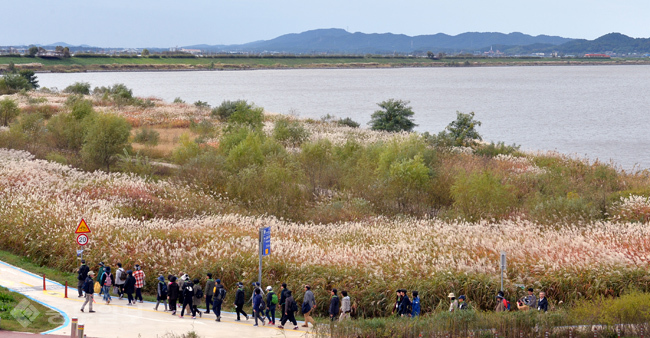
<point x="77" y="64"/>
<point x="363" y="211"/>
<point x="13" y="314"/>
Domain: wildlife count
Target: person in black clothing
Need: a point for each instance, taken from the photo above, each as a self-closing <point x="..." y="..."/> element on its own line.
<point x="289" y="310"/>
<point x="240" y="299"/>
<point x="335" y="304"/>
<point x="542" y="303"/>
<point x="81" y="277"/>
<point x="283" y="299"/>
<point x="188" y="297"/>
<point x="405" y="305"/>
<point x="217" y="300"/>
<point x="129" y="287"/>
<point x="172" y="293"/>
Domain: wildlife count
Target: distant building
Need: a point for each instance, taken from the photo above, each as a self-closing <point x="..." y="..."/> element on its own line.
<point x="191" y="51"/>
<point x="597" y="56"/>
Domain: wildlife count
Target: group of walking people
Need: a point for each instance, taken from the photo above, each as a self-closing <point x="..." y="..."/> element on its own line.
<point x="122" y="282"/>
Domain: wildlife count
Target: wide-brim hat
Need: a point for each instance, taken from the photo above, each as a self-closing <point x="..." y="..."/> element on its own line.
<point x="451" y="295"/>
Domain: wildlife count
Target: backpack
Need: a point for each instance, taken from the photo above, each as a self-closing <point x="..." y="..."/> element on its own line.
<point x="274" y="299"/>
<point x="306" y="307"/>
<point x="122" y="275"/>
<point x="262" y="306"/>
<point x="163" y="288"/>
<point x="199" y="293"/>
<point x="294" y="306"/>
<point x="220" y="293"/>
<point x="506" y="304"/>
<point x="109" y="279"/>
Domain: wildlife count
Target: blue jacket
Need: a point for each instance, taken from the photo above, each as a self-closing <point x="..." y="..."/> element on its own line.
<point x="416" y="307"/>
<point x="257" y="299"/>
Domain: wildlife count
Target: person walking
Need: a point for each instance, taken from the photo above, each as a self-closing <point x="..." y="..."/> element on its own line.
<point x="120" y="279"/>
<point x="398" y="301"/>
<point x="106" y="283"/>
<point x="346" y="306"/>
<point x="219" y="296"/>
<point x="187" y="290"/>
<point x="100" y="274"/>
<point x="209" y="292"/>
<point x="198" y="297"/>
<point x="82" y="274"/>
<point x="542" y="303"/>
<point x="240" y="299"/>
<point x="283" y="300"/>
<point x="139" y="282"/>
<point x="415" y="305"/>
<point x="335" y="304"/>
<point x="87" y="287"/>
<point x="173" y="292"/>
<point x="271" y="302"/>
<point x="462" y="304"/>
<point x="129" y="287"/>
<point x="308" y="306"/>
<point x="502" y="303"/>
<point x="258" y="306"/>
<point x="453" y="303"/>
<point x="161" y="294"/>
<point x="290" y="308"/>
<point x="404" y="305"/>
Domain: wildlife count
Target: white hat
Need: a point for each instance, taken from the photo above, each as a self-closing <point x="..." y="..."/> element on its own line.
<point x="451" y="295"/>
<point x="269" y="288"/>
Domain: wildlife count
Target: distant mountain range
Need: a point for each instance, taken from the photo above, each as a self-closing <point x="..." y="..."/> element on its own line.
<point x="339" y="41"/>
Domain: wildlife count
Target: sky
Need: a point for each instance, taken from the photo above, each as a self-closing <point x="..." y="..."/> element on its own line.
<point x="167" y="23"/>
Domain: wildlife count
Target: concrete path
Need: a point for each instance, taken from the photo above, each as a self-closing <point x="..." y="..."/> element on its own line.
<point x="121" y="320"/>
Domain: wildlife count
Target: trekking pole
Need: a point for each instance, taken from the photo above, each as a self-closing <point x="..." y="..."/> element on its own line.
<point x="73" y="329"/>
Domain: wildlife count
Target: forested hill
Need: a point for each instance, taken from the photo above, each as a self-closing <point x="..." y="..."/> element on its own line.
<point x="341" y="41"/>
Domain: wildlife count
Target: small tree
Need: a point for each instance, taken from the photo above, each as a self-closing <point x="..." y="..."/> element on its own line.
<point x="30" y="76"/>
<point x="463" y="130"/>
<point x="394" y="116"/>
<point x="107" y="136"/>
<point x="145" y="52"/>
<point x="8" y="111"/>
<point x="33" y="50"/>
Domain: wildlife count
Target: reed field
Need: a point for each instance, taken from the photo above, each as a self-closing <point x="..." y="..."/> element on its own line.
<point x="349" y="208"/>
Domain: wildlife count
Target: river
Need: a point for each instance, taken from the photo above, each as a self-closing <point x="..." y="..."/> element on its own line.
<point x="593" y="112"/>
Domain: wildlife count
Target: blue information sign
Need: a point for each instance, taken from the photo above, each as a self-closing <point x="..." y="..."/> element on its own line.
<point x="266" y="241"/>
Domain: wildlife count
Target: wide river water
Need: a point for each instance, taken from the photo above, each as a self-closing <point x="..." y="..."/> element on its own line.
<point x="594" y="112"/>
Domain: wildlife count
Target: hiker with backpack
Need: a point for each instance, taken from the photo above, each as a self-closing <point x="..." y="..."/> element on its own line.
<point x="198" y="297"/>
<point x="129" y="287"/>
<point x="462" y="304"/>
<point x="502" y="303"/>
<point x="240" y="299"/>
<point x="283" y="299"/>
<point x="173" y="290"/>
<point x="271" y="302"/>
<point x="219" y="296"/>
<point x="88" y="289"/>
<point x="346" y="306"/>
<point x="308" y="306"/>
<point x="120" y="279"/>
<point x="415" y="305"/>
<point x="139" y="282"/>
<point x="187" y="291"/>
<point x="161" y="296"/>
<point x="335" y="304"/>
<point x="82" y="274"/>
<point x="258" y="306"/>
<point x="290" y="308"/>
<point x="100" y="274"/>
<point x="209" y="292"/>
<point x="106" y="283"/>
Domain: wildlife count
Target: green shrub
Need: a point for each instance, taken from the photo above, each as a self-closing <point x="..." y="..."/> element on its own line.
<point x="463" y="130"/>
<point x="492" y="149"/>
<point x="12" y="83"/>
<point x="178" y="100"/>
<point x="348" y="122"/>
<point x="106" y="137"/>
<point x="66" y="132"/>
<point x="246" y="115"/>
<point x="201" y="104"/>
<point x="482" y="195"/>
<point x="81" y="88"/>
<point x="186" y="150"/>
<point x="227" y="108"/>
<point x="147" y="137"/>
<point x="290" y="133"/>
<point x="8" y="111"/>
<point x="204" y="129"/>
<point x="394" y="116"/>
<point x="79" y="107"/>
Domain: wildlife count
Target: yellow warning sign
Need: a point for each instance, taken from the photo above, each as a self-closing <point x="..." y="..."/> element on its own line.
<point x="82" y="228"/>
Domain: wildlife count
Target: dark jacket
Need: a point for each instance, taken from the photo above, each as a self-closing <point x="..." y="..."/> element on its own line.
<point x="129" y="285"/>
<point x="173" y="290"/>
<point x="283" y="296"/>
<point x="542" y="304"/>
<point x="162" y="295"/>
<point x="209" y="287"/>
<point x="188" y="291"/>
<point x="83" y="272"/>
<point x="269" y="299"/>
<point x="197" y="301"/>
<point x="289" y="304"/>
<point x="405" y="306"/>
<point x="89" y="285"/>
<point x="462" y="306"/>
<point x="335" y="304"/>
<point x="240" y="297"/>
<point x="217" y="292"/>
<point x="257" y="300"/>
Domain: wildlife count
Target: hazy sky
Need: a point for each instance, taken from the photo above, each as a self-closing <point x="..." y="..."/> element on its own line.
<point x="166" y="23"/>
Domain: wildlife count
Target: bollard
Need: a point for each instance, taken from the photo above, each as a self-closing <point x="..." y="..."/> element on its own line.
<point x="570" y="333"/>
<point x="44" y="288"/>
<point x="73" y="329"/>
<point x="642" y="336"/>
<point x="66" y="289"/>
<point x="618" y="331"/>
<point x="595" y="332"/>
<point x="546" y="334"/>
<point x="80" y="331"/>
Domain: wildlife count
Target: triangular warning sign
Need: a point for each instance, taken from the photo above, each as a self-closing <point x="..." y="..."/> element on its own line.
<point x="82" y="228"/>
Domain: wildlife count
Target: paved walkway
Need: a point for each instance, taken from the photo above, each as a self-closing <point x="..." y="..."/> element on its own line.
<point x="120" y="320"/>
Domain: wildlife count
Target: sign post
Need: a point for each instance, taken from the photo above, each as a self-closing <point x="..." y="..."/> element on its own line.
<point x="82" y="238"/>
<point x="265" y="247"/>
<point x="503" y="266"/>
